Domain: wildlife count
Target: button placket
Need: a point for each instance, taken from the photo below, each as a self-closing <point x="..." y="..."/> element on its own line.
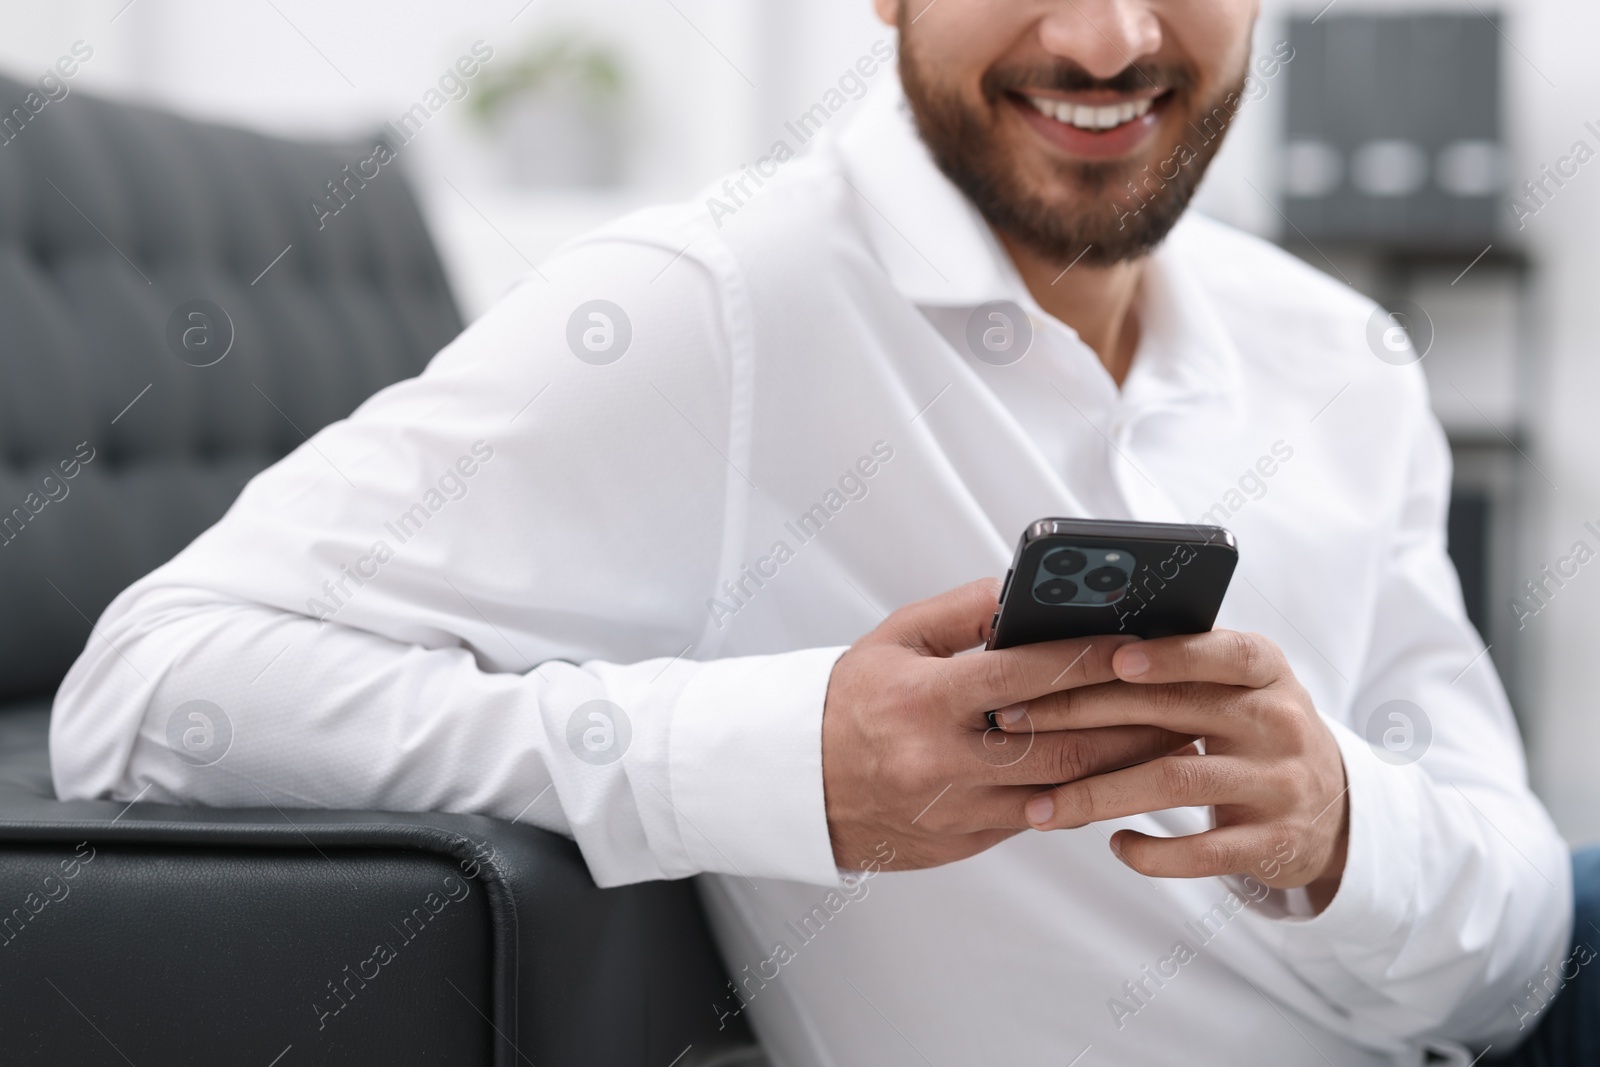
<point x="1144" y="499"/>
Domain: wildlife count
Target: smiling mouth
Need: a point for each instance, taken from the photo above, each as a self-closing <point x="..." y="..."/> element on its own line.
<point x="1088" y="117"/>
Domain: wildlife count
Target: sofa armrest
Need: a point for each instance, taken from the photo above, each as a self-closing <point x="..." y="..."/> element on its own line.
<point x="241" y="925"/>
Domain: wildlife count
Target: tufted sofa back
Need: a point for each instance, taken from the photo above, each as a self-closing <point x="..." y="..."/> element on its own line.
<point x="172" y="320"/>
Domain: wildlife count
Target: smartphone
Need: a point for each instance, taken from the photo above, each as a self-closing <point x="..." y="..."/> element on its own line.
<point x="1092" y="577"/>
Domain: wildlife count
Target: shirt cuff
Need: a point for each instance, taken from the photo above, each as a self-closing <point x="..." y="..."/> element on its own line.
<point x="746" y="767"/>
<point x="1381" y="877"/>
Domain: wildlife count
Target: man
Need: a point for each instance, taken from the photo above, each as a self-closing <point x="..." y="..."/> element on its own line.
<point x="598" y="567"/>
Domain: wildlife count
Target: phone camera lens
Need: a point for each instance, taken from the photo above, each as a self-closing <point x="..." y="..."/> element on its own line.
<point x="1055" y="591"/>
<point x="1105" y="579"/>
<point x="1065" y="561"/>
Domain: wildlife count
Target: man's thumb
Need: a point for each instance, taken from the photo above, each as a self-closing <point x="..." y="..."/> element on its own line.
<point x="951" y="622"/>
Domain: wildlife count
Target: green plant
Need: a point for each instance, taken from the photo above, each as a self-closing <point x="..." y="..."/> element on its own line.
<point x="566" y="60"/>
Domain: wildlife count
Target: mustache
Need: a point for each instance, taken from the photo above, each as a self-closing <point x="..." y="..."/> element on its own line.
<point x="1066" y="76"/>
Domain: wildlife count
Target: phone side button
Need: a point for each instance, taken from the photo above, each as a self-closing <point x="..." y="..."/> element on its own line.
<point x="1005" y="586"/>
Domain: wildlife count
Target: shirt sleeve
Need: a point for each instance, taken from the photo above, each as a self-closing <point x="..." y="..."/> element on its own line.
<point x="1457" y="887"/>
<point x="485" y="591"/>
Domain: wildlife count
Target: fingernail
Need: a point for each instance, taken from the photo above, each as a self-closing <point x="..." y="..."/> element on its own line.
<point x="1012" y="715"/>
<point x="1132" y="662"/>
<point x="1039" y="809"/>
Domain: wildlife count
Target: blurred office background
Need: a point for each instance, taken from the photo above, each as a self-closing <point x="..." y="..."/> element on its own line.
<point x="1387" y="152"/>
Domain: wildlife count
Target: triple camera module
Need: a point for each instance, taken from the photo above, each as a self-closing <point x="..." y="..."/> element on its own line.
<point x="1094" y="577"/>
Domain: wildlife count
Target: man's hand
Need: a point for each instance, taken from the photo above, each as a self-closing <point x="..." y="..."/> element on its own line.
<point x="1271" y="768"/>
<point x="909" y="757"/>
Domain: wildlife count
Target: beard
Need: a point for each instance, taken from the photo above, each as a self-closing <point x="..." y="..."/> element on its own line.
<point x="1100" y="211"/>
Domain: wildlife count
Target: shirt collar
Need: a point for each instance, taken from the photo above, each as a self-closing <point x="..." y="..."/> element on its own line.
<point x="940" y="252"/>
<point x="936" y="248"/>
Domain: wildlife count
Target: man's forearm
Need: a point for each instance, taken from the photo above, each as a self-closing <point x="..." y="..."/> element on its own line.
<point x="627" y="759"/>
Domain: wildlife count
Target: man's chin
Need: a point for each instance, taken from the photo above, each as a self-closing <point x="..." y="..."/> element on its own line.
<point x="1097" y="227"/>
<point x="1080" y="212"/>
<point x="1096" y="212"/>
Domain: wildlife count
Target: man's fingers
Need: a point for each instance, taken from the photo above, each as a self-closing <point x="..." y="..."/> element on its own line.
<point x="960" y="811"/>
<point x="1197" y="708"/>
<point x="1226" y="657"/>
<point x="1214" y="853"/>
<point x="953" y="621"/>
<point x="1180" y="781"/>
<point x="1003" y="678"/>
<point x="1050" y="758"/>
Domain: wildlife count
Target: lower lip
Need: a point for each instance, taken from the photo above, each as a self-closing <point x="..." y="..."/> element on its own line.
<point x="1092" y="144"/>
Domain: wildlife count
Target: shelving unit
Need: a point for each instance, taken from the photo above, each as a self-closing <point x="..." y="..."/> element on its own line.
<point x="1394" y="173"/>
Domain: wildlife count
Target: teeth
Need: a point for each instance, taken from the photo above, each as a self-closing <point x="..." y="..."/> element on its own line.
<point x="1090" y="118"/>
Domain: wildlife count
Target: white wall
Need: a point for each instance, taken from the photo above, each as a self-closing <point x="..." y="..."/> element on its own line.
<point x="310" y="66"/>
<point x="715" y="79"/>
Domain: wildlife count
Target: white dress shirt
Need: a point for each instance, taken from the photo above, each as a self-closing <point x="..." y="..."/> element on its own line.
<point x="415" y="610"/>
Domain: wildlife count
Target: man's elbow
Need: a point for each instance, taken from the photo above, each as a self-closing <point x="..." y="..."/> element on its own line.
<point x="101" y="709"/>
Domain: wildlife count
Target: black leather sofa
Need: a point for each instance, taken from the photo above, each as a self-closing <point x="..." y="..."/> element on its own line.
<point x="147" y="934"/>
